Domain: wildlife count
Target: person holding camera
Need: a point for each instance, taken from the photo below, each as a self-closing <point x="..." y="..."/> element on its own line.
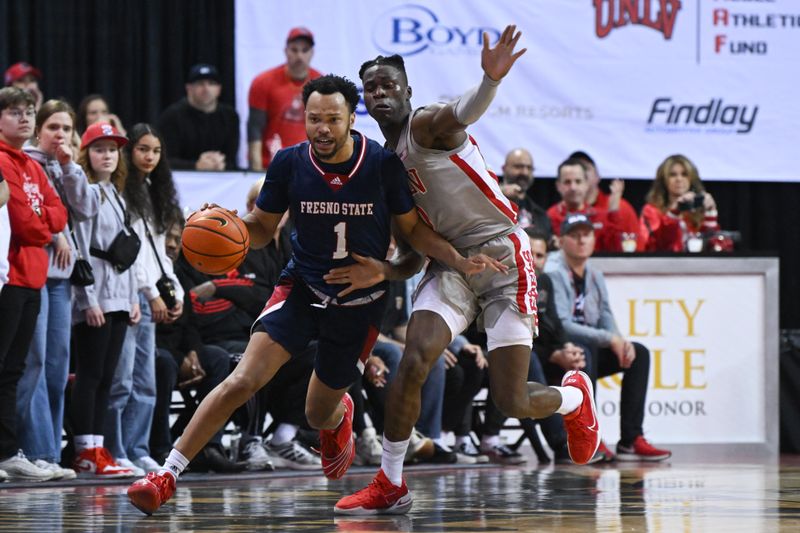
<point x="150" y="193"/>
<point x="102" y="310"/>
<point x="679" y="213"/>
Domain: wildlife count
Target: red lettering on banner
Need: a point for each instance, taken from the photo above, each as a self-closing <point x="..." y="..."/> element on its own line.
<point x="610" y="14"/>
<point x="719" y="41"/>
<point x="721" y="16"/>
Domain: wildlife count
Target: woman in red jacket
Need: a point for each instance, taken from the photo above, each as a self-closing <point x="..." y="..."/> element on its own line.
<point x="35" y="213"/>
<point x="679" y="212"/>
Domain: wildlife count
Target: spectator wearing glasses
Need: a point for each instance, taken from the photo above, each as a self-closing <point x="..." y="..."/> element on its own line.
<point x="35" y="214"/>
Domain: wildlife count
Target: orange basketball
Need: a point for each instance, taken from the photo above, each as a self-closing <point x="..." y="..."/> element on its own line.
<point x="215" y="241"/>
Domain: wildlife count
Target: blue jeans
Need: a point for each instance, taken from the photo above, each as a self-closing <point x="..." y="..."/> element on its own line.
<point x="133" y="391"/>
<point x="40" y="392"/>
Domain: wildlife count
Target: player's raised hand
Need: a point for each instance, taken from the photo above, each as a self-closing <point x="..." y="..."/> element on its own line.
<point x="497" y="61"/>
<point x="365" y="272"/>
<point x="475" y="264"/>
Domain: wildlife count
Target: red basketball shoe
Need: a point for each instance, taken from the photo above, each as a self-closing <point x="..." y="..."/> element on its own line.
<point x="583" y="436"/>
<point x="338" y="446"/>
<point x="379" y="497"/>
<point x="152" y="492"/>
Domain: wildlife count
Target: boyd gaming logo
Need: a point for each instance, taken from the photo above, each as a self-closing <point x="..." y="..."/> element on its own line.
<point x="410" y="29"/>
<point x="610" y="14"/>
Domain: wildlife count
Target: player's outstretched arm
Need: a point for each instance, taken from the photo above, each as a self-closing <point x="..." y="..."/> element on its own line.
<point x="430" y="243"/>
<point x="262" y="226"/>
<point x="440" y="121"/>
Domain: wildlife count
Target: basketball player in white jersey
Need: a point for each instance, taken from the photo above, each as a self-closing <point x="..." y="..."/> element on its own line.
<point x="460" y="198"/>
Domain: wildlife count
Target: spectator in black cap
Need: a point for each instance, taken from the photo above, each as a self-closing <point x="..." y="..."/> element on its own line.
<point x="25" y="76"/>
<point x="200" y="132"/>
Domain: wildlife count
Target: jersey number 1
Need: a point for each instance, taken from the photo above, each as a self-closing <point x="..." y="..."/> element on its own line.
<point x="341" y="240"/>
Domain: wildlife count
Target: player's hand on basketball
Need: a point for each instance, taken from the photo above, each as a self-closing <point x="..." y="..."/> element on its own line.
<point x="158" y="309"/>
<point x="212" y="205"/>
<point x="475" y="264"/>
<point x="135" y="315"/>
<point x="497" y="61"/>
<point x="365" y="272"/>
<point x="95" y="317"/>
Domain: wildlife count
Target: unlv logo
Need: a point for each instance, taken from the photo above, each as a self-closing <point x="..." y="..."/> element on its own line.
<point x="610" y="14"/>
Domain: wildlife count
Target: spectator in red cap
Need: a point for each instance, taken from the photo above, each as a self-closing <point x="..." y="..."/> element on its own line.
<point x="25" y="76"/>
<point x="276" y="106"/>
<point x="35" y="214"/>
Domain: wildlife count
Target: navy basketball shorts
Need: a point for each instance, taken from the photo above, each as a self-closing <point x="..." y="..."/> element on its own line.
<point x="293" y="318"/>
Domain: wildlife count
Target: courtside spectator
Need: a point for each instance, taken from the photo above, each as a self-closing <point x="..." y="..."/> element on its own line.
<point x="40" y="396"/>
<point x="200" y="132"/>
<point x="35" y="214"/>
<point x="602" y="200"/>
<point x="679" y="213"/>
<point x="517" y="180"/>
<point x="276" y="105"/>
<point x="94" y="108"/>
<point x="25" y="76"/>
<point x="102" y="311"/>
<point x="582" y="304"/>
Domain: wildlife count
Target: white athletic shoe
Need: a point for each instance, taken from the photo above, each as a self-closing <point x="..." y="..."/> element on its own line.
<point x="19" y="468"/>
<point x="294" y="456"/>
<point x="127" y="463"/>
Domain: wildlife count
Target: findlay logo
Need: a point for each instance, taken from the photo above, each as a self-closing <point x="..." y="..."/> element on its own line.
<point x="610" y="14"/>
<point x="716" y="116"/>
<point x="409" y="29"/>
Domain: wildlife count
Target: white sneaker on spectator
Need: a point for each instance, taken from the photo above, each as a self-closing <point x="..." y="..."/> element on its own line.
<point x="19" y="468"/>
<point x="468" y="454"/>
<point x="127" y="463"/>
<point x="58" y="471"/>
<point x="3" y="476"/>
<point x="147" y="463"/>
<point x="294" y="456"/>
<point x="419" y="448"/>
<point x="255" y="455"/>
<point x="368" y="448"/>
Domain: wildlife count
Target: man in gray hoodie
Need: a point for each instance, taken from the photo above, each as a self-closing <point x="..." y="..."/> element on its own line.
<point x="583" y="306"/>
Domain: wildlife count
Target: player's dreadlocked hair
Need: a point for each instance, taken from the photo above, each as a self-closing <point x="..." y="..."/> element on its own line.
<point x="331" y="84"/>
<point x="395" y="61"/>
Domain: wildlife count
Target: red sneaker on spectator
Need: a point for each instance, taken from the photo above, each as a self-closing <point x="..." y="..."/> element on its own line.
<point x="338" y="446"/>
<point x="641" y="450"/>
<point x="98" y="463"/>
<point x="152" y="492"/>
<point x="602" y="455"/>
<point x="379" y="497"/>
<point x="583" y="437"/>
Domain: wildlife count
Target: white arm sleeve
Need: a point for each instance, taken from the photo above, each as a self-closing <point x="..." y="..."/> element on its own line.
<point x="474" y="103"/>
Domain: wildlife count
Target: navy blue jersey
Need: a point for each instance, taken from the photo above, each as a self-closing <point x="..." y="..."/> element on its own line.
<point x="337" y="209"/>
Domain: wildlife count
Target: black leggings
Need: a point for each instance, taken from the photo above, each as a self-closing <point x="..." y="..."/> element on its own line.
<point x="97" y="352"/>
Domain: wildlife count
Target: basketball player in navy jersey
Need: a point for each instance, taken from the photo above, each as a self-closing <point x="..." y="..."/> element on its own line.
<point x="345" y="192"/>
<point x="461" y="199"/>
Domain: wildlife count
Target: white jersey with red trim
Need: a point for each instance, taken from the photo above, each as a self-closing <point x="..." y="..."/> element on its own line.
<point x="455" y="192"/>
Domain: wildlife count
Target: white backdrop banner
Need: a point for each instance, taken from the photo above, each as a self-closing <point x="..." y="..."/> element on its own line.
<point x="629" y="81"/>
<point x="707" y="344"/>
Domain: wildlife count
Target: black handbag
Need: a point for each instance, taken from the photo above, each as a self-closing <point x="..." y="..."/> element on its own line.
<point x="165" y="285"/>
<point x="82" y="272"/>
<point x="125" y="247"/>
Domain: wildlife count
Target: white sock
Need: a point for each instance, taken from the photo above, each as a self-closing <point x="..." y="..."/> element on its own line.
<point x="490" y="442"/>
<point x="98" y="441"/>
<point x="394" y="453"/>
<point x="83" y="442"/>
<point x="175" y="464"/>
<point x="283" y="434"/>
<point x="571" y="399"/>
